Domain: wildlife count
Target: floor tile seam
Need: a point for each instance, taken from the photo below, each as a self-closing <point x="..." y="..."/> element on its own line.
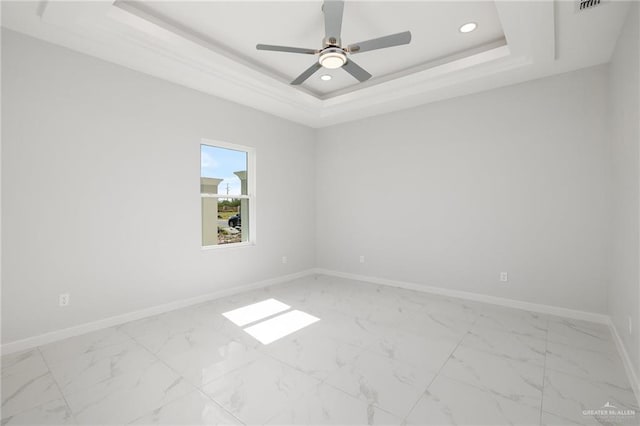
<point x="483" y="389"/>
<point x="359" y="398"/>
<point x="171" y="400"/>
<point x="577" y="322"/>
<point x="598" y="382"/>
<point x="154" y="359"/>
<point x="206" y="395"/>
<point x="610" y="346"/>
<point x="580" y="324"/>
<point x="517" y="362"/>
<point x="284" y="409"/>
<point x="197" y="388"/>
<point x="136" y="347"/>
<point x="239" y="339"/>
<point x="562" y="416"/>
<point x="274" y="358"/>
<point x="123" y="330"/>
<point x="317" y="384"/>
<point x="320" y="380"/>
<point x="55" y="362"/>
<point x="507" y="357"/>
<point x="605" y="347"/>
<point x="163" y="362"/>
<point x="286" y="364"/>
<point x="40" y="406"/>
<point x="601" y="332"/>
<point x="589" y="377"/>
<point x="172" y="334"/>
<point x="200" y="386"/>
<point x="53" y="377"/>
<point x="395" y="360"/>
<point x="147" y="348"/>
<point x="509" y="332"/>
<point x="413" y="406"/>
<point x="540" y="339"/>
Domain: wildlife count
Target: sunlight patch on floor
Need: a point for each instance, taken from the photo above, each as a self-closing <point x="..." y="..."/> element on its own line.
<point x="257" y="311"/>
<point x="271" y="329"/>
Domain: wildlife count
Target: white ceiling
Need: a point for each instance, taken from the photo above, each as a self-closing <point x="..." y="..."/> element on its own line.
<point x="210" y="46"/>
<point x="238" y="27"/>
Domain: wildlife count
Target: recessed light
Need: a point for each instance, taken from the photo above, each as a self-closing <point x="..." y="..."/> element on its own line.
<point x="468" y="27"/>
<point x="325" y="77"/>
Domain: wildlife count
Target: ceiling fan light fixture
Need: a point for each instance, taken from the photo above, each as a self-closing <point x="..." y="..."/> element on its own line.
<point x="332" y="58"/>
<point x="468" y="27"/>
<point x="333" y="55"/>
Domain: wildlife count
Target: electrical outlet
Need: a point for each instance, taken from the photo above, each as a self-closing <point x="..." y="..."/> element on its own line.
<point x="63" y="299"/>
<point x="504" y="277"/>
<point x="284" y="259"/>
<point x="361" y="259"/>
<point x="630" y="324"/>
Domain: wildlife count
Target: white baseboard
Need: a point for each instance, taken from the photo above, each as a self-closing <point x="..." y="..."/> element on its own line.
<point x="628" y="365"/>
<point x="494" y="300"/>
<point x="43" y="339"/>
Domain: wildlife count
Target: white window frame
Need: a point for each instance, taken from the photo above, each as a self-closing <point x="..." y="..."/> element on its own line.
<point x="250" y="196"/>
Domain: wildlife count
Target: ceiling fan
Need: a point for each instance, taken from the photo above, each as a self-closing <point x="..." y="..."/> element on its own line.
<point x="333" y="55"/>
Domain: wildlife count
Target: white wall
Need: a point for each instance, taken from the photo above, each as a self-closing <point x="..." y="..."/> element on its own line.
<point x="624" y="292"/>
<point x="451" y="194"/>
<point x="100" y="190"/>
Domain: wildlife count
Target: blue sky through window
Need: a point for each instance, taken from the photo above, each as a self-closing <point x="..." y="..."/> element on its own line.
<point x="220" y="163"/>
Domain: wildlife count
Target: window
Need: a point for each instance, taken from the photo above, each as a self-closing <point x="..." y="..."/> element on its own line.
<point x="227" y="182"/>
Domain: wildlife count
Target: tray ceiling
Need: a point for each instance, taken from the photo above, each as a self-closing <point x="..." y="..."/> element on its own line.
<point x="236" y="28"/>
<point x="210" y="46"/>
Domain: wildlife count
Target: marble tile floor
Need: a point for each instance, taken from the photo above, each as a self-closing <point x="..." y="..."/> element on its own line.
<point x="377" y="355"/>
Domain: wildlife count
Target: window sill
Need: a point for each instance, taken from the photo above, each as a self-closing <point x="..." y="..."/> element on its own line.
<point x="230" y="246"/>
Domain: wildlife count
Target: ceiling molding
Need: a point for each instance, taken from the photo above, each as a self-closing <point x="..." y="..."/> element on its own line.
<point x="145" y="16"/>
<point x="532" y="47"/>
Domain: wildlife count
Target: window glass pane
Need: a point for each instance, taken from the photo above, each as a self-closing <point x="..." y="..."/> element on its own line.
<point x="225" y="170"/>
<point x="224" y="220"/>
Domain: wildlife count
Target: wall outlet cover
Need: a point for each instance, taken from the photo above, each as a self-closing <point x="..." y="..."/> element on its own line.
<point x="63" y="299"/>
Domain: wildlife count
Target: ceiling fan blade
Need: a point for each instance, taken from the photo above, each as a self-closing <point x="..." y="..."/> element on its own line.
<point x="306" y="74"/>
<point x="333" y="18"/>
<point x="286" y="49"/>
<point x="355" y="70"/>
<point x="381" y="42"/>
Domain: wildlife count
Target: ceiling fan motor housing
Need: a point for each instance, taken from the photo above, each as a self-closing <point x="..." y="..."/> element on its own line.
<point x="331" y="41"/>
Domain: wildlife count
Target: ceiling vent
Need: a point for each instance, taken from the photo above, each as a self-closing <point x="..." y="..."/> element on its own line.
<point x="588" y="4"/>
